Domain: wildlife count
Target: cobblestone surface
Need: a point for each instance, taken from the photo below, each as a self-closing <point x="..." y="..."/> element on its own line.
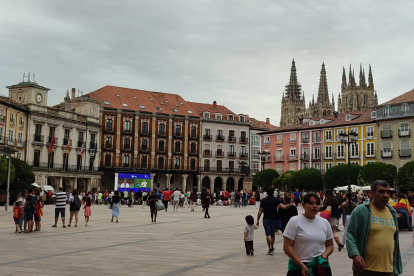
<point x="182" y="243"/>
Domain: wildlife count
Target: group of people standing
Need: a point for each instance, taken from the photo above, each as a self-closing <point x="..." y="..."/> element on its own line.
<point x="28" y="211"/>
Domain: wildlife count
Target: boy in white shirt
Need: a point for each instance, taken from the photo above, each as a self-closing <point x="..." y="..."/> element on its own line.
<point x="249" y="235"/>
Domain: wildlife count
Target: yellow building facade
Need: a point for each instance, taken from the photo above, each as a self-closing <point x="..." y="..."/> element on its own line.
<point x="13" y="126"/>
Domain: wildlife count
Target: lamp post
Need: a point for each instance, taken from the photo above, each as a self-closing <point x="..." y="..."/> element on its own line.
<point x="348" y="139"/>
<point x="264" y="155"/>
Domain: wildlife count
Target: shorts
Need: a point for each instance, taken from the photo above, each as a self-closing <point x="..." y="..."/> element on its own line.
<point x="38" y="218"/>
<point x="176" y="202"/>
<point x="270" y="227"/>
<point x="72" y="209"/>
<point x="29" y="214"/>
<point x="61" y="211"/>
<point x="333" y="222"/>
<point x="16" y="221"/>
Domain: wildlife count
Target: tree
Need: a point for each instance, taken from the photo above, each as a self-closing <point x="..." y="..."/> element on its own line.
<point x="405" y="176"/>
<point x="337" y="176"/>
<point x="3" y="170"/>
<point x="283" y="180"/>
<point x="374" y="171"/>
<point x="269" y="175"/>
<point x="23" y="171"/>
<point x="307" y="179"/>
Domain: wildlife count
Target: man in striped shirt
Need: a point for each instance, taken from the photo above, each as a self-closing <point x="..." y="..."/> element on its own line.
<point x="60" y="207"/>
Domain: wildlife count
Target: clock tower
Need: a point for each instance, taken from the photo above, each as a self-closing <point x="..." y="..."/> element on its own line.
<point x="28" y="92"/>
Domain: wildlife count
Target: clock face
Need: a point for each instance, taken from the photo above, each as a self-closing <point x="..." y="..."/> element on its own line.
<point x="39" y="98"/>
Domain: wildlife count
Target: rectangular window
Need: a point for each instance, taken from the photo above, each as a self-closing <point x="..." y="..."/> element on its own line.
<point x="161" y="147"/>
<point x="370" y="149"/>
<point x="387" y="111"/>
<point x="21" y="121"/>
<point x="108" y="124"/>
<point x="328" y="151"/>
<point x="193" y="132"/>
<point x="369" y="162"/>
<point x="279" y="168"/>
<point x="405" y="144"/>
<point x="11" y="136"/>
<point x="243" y="150"/>
<point x="293" y="136"/>
<point x="125" y="160"/>
<point x="266" y="141"/>
<point x="279" y="137"/>
<point x="144" y="144"/>
<point x="177" y="163"/>
<point x="317" y="166"/>
<point x="279" y="153"/>
<point x="328" y="135"/>
<point x="354" y="150"/>
<point x="328" y="166"/>
<point x="177" y="147"/>
<point x="316" y="152"/>
<point x="231" y="149"/>
<point x="405" y="109"/>
<point x="316" y="137"/>
<point x="292" y="167"/>
<point x="370" y="132"/>
<point x="19" y="155"/>
<point x="160" y="162"/>
<point x="20" y="139"/>
<point x="292" y="152"/>
<point x="144" y="161"/>
<point x="1" y="134"/>
<point x="340" y="151"/>
<point x="231" y="165"/>
<point x="178" y="130"/>
<point x="127" y="126"/>
<point x="145" y="128"/>
<point x="354" y="130"/>
<point x="305" y="165"/>
<point x="38" y="130"/>
<point x="206" y="115"/>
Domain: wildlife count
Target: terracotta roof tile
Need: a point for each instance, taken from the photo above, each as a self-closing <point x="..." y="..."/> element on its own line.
<point x="212" y="108"/>
<point x="132" y="99"/>
<point x="404" y="98"/>
<point x="262" y="125"/>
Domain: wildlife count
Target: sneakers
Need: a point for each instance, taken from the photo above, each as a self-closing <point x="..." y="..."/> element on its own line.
<point x="273" y="249"/>
<point x="270" y="252"/>
<point x="410" y="229"/>
<point x="251" y="252"/>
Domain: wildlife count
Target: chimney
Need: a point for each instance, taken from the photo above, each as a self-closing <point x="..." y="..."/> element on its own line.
<point x="214" y="104"/>
<point x="267" y="121"/>
<point x="73" y="93"/>
<point x="335" y="114"/>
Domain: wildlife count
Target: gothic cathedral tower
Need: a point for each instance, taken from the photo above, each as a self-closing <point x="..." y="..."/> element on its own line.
<point x="357" y="97"/>
<point x="323" y="106"/>
<point x="293" y="102"/>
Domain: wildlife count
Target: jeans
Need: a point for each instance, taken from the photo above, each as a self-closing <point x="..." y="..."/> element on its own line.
<point x="249" y="247"/>
<point x="243" y="202"/>
<point x="237" y="203"/>
<point x="406" y="216"/>
<point x="23" y="221"/>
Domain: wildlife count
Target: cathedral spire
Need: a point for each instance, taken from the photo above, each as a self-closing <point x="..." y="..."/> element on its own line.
<point x="323" y="93"/>
<point x="370" y="79"/>
<point x="361" y="82"/>
<point x="343" y="78"/>
<point x="363" y="78"/>
<point x="333" y="101"/>
<point x="350" y="76"/>
<point x="294" y="88"/>
<point x="353" y="78"/>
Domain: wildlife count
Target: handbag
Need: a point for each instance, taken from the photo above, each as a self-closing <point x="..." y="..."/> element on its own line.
<point x="326" y="214"/>
<point x="159" y="205"/>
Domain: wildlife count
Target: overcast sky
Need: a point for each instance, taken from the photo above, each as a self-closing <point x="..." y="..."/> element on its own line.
<point x="238" y="53"/>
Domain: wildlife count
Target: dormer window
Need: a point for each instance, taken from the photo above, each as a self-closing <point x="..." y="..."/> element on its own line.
<point x="117" y="95"/>
<point x="387" y="111"/>
<point x="405" y="108"/>
<point x="142" y="106"/>
<point x="124" y="104"/>
<point x="322" y="121"/>
<point x="251" y="122"/>
<point x="218" y="117"/>
<point x="311" y="123"/>
<point x="206" y="115"/>
<point x="242" y="119"/>
<point x="134" y="97"/>
<point x="158" y="108"/>
<point x="106" y="102"/>
<point x="174" y="110"/>
<point x="166" y="101"/>
<point x="231" y="118"/>
<point x="189" y="111"/>
<point x="348" y="117"/>
<point x="151" y="99"/>
<point x="373" y="114"/>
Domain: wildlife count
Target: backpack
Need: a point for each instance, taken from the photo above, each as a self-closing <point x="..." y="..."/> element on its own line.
<point x="32" y="202"/>
<point x="76" y="202"/>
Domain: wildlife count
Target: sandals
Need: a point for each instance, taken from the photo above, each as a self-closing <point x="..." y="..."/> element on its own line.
<point x="54" y="225"/>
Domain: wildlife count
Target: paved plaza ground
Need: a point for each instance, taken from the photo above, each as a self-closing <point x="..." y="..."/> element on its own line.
<point x="182" y="243"/>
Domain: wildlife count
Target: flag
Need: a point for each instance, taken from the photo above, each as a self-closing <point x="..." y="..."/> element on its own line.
<point x="67" y="147"/>
<point x="52" y="141"/>
<point x="82" y="148"/>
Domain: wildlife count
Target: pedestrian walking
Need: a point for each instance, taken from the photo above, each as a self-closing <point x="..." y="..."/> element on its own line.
<point x="144" y="199"/>
<point x="249" y="235"/>
<point x="308" y="240"/>
<point x="347" y="207"/>
<point x="269" y="206"/>
<point x="115" y="199"/>
<point x="166" y="198"/>
<point x="286" y="214"/>
<point x="176" y="199"/>
<point x="153" y="211"/>
<point x="206" y="203"/>
<point x="60" y="207"/>
<point x="232" y="198"/>
<point x="332" y="202"/>
<point x="193" y="199"/>
<point x="257" y="199"/>
<point x="238" y="197"/>
<point x="372" y="237"/>
<point x="87" y="210"/>
<point x="74" y="207"/>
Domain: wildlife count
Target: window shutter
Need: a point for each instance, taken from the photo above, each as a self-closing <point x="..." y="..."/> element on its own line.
<point x="387" y="145"/>
<point x="405" y="144"/>
<point x="387" y="127"/>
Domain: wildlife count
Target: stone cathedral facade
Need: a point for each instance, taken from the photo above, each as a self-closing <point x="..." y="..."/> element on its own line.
<point x="353" y="97"/>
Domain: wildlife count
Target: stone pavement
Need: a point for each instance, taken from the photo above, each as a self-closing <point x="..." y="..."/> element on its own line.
<point x="182" y="243"/>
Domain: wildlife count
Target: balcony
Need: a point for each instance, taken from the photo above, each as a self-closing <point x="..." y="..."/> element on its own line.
<point x="404" y="133"/>
<point x="278" y="158"/>
<point x="207" y="137"/>
<point x="11" y="142"/>
<point x="369" y="154"/>
<point x="144" y="149"/>
<point x="108" y="146"/>
<point x="304" y="156"/>
<point x="193" y="153"/>
<point x="21" y="125"/>
<point x="65" y="142"/>
<point x="221" y="170"/>
<point x="386" y="153"/>
<point x="328" y="138"/>
<point x="404" y="152"/>
<point x="145" y="133"/>
<point x="220" y="138"/>
<point x="327" y="156"/>
<point x="370" y="135"/>
<point x="279" y="143"/>
<point x="55" y="142"/>
<point x="161" y="134"/>
<point x="193" y="136"/>
<point x="125" y="165"/>
<point x="316" y="156"/>
<point x="385" y="134"/>
<point x="243" y="140"/>
<point x="305" y="140"/>
<point x="243" y="155"/>
<point x="109" y="129"/>
<point x="231" y="155"/>
<point x="92" y="145"/>
<point x="127" y="132"/>
<point x="38" y="138"/>
<point x="316" y="139"/>
<point x="11" y="122"/>
<point x="219" y="154"/>
<point x="60" y="167"/>
<point x="232" y="139"/>
<point x="127" y="148"/>
<point x="3" y="119"/>
<point x="161" y="151"/>
<point x="292" y="141"/>
<point x="178" y="135"/>
<point x="268" y="159"/>
<point x="178" y="151"/>
<point x="207" y="153"/>
<point x="80" y="142"/>
<point x="292" y="157"/>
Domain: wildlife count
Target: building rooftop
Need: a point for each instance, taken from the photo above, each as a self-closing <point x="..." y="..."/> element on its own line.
<point x="404" y="98"/>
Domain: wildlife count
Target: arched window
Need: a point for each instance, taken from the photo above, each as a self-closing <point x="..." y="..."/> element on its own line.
<point x="365" y="99"/>
<point x="346" y="100"/>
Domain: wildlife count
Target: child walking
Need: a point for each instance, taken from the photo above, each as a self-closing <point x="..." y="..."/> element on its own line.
<point x="38" y="213"/>
<point x="249" y="235"/>
<point x="87" y="212"/>
<point x="17" y="211"/>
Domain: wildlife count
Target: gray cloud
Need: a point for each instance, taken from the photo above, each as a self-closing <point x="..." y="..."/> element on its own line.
<point x="235" y="52"/>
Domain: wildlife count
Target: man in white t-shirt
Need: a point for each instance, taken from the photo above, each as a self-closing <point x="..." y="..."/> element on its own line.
<point x="125" y="184"/>
<point x="176" y="202"/>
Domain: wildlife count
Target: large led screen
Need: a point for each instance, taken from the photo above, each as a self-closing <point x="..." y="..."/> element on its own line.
<point x="133" y="181"/>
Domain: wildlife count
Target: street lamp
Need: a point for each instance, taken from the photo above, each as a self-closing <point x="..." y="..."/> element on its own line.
<point x="264" y="155"/>
<point x="348" y="139"/>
